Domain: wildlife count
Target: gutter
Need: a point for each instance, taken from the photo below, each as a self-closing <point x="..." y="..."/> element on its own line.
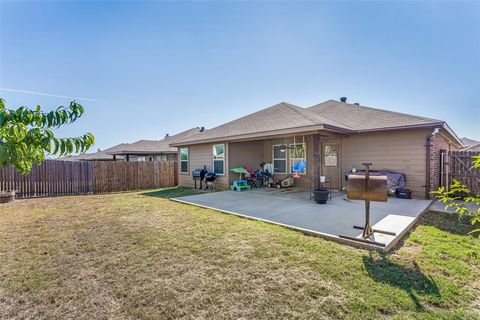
<point x="410" y="127"/>
<point x="265" y="134"/>
<point x="311" y="128"/>
<point x="120" y="153"/>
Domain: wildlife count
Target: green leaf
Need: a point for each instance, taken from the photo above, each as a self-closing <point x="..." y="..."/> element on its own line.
<point x="26" y="135"/>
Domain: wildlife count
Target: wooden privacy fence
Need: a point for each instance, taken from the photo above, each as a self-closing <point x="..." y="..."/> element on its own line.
<point x="459" y="167"/>
<point x="114" y="176"/>
<point x="57" y="178"/>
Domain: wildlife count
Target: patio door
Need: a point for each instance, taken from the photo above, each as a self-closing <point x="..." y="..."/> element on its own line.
<point x="330" y="153"/>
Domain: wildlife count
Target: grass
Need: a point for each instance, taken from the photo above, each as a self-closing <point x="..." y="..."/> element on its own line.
<point x="131" y="256"/>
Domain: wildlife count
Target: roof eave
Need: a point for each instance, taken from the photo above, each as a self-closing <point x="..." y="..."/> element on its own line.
<point x="433" y="125"/>
<point x="125" y="152"/>
<point x="407" y="127"/>
<point x="264" y="134"/>
<point x="453" y="134"/>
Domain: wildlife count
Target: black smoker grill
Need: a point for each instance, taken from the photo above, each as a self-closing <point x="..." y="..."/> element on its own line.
<point x="203" y="175"/>
<point x="198" y="174"/>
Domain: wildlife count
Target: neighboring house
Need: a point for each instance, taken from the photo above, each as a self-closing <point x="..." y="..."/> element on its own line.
<point x="95" y="156"/>
<point x="470" y="145"/>
<point x="333" y="137"/>
<point x="152" y="150"/>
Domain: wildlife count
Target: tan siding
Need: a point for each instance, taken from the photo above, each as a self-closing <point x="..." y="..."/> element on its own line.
<point x="402" y="151"/>
<point x="304" y="180"/>
<point x="199" y="156"/>
<point x="245" y="153"/>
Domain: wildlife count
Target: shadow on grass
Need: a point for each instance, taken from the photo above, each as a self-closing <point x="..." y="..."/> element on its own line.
<point x="173" y="192"/>
<point x="412" y="280"/>
<point x="448" y="222"/>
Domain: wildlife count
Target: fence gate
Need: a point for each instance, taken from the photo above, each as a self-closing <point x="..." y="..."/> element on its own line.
<point x="458" y="165"/>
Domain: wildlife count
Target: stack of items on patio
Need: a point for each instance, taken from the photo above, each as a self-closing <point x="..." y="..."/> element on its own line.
<point x="264" y="177"/>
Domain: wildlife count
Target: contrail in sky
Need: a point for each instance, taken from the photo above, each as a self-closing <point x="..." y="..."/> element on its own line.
<point x="50" y="95"/>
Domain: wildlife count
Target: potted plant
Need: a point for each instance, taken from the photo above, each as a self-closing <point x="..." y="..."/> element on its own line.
<point x="320" y="195"/>
<point x="7" y="196"/>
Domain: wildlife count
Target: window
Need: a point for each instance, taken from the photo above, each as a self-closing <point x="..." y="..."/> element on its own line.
<point x="161" y="157"/>
<point x="184" y="160"/>
<point x="330" y="156"/>
<point x="219" y="159"/>
<point x="297" y="153"/>
<point x="279" y="159"/>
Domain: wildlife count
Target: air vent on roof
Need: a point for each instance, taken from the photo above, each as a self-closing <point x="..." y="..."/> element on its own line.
<point x="356" y="103"/>
<point x="202" y="129"/>
<point x="343" y="99"/>
<point x="167" y="135"/>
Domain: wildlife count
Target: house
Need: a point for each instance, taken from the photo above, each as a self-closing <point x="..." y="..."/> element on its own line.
<point x="470" y="145"/>
<point x="95" y="156"/>
<point x="333" y="136"/>
<point x="152" y="150"/>
<point x="142" y="150"/>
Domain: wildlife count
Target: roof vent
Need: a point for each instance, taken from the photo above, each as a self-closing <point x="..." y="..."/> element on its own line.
<point x="356" y="103"/>
<point x="167" y="135"/>
<point x="202" y="129"/>
<point x="343" y="99"/>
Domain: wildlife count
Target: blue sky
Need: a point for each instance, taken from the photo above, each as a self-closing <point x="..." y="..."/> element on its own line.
<point x="160" y="67"/>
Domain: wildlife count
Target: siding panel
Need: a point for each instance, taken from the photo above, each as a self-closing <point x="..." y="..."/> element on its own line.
<point x="199" y="156"/>
<point x="402" y="151"/>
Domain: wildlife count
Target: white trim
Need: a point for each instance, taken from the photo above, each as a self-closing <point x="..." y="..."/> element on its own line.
<point x="324" y="153"/>
<point x="273" y="159"/>
<point x="290" y="158"/>
<point x="180" y="160"/>
<point x="213" y="158"/>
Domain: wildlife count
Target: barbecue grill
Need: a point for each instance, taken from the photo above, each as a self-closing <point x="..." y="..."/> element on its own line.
<point x="203" y="176"/>
<point x="198" y="175"/>
<point x="209" y="179"/>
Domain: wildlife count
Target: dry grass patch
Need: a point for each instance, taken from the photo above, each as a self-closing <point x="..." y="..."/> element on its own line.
<point x="130" y="256"/>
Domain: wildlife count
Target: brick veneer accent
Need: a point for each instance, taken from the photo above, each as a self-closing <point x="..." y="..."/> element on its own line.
<point x="438" y="143"/>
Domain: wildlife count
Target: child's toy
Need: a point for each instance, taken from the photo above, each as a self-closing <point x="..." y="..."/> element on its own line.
<point x="300" y="166"/>
<point x="240" y="185"/>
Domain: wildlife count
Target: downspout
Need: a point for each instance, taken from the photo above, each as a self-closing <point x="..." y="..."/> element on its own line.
<point x="428" y="147"/>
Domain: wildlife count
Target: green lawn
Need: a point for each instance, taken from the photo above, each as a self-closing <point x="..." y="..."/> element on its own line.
<point x="139" y="255"/>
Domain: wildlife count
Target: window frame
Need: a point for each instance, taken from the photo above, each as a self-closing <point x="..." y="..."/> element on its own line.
<point x="223" y="160"/>
<point x="325" y="155"/>
<point x="279" y="159"/>
<point x="290" y="158"/>
<point x="160" y="157"/>
<point x="187" y="161"/>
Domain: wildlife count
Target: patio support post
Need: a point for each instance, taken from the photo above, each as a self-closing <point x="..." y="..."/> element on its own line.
<point x="316" y="160"/>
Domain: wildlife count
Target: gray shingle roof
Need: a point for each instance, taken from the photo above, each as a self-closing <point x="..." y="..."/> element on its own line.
<point x="154" y="146"/>
<point x="278" y="117"/>
<point x="100" y="155"/>
<point x="363" y="118"/>
<point x="469" y="142"/>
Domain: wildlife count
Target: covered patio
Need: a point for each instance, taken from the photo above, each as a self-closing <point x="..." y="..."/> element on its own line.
<point x="293" y="208"/>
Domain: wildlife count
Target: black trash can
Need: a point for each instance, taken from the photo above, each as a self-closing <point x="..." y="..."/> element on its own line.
<point x="320" y="195"/>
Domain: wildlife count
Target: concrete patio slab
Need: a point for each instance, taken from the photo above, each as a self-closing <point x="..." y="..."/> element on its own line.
<point x="294" y="209"/>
